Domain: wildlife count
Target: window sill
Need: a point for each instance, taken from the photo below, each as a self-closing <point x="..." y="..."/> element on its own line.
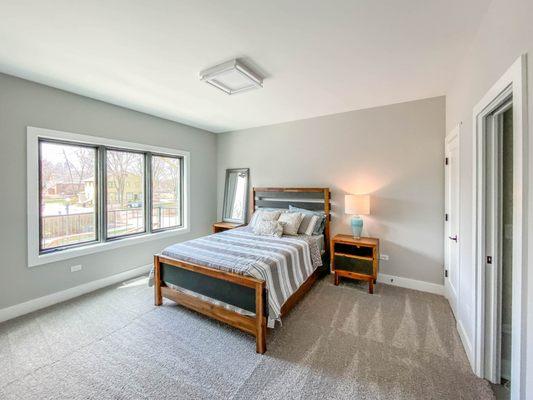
<point x="41" y="259"/>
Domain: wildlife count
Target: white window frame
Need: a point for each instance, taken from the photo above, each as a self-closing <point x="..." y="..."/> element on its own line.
<point x="33" y="136"/>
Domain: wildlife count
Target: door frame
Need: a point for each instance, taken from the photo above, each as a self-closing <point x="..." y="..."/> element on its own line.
<point x="455" y="134"/>
<point x="513" y="82"/>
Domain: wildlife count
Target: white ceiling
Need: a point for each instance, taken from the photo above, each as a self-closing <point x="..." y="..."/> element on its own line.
<point x="318" y="57"/>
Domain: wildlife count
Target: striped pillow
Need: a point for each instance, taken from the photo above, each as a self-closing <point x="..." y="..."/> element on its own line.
<point x="308" y="225"/>
<point x="321" y="223"/>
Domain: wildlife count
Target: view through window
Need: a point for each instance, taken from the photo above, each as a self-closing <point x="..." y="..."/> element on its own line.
<point x="166" y="212"/>
<point x="68" y="194"/>
<point x="125" y="193"/>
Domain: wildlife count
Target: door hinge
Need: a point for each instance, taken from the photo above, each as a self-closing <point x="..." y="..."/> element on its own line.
<point x="489" y="259"/>
<point x="445" y="273"/>
<point x="446" y="161"/>
<point x="446" y="217"/>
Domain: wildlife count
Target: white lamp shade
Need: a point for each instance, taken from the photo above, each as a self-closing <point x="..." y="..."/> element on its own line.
<point x="357" y="204"/>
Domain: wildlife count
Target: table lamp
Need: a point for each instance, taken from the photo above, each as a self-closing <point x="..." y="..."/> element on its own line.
<point x="357" y="205"/>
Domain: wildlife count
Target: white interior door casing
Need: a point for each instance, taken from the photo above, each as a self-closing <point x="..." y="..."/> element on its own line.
<point x="513" y="81"/>
<point x="452" y="219"/>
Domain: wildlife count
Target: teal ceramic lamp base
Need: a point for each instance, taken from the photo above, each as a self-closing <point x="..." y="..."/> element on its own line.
<point x="357" y="226"/>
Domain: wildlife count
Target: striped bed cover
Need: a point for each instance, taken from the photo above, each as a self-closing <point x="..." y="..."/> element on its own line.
<point x="284" y="263"/>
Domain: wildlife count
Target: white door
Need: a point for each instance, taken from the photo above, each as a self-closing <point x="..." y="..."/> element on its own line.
<point x="451" y="230"/>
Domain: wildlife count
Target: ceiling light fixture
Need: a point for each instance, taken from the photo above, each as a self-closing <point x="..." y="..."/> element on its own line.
<point x="232" y="77"/>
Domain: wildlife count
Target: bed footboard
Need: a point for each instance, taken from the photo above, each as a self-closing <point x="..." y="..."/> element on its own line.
<point x="245" y="292"/>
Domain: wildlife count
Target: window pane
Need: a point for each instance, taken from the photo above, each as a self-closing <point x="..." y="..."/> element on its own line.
<point x="125" y="193"/>
<point x="68" y="194"/>
<point x="166" y="196"/>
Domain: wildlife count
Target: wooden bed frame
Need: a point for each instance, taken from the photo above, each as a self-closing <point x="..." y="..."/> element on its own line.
<point x="242" y="291"/>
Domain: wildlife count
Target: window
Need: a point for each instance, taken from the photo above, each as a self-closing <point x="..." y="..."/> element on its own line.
<point x="166" y="192"/>
<point x="68" y="196"/>
<point x="125" y="209"/>
<point x="87" y="194"/>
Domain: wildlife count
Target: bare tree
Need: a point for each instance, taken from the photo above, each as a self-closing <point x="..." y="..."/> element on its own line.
<point x="175" y="181"/>
<point x="166" y="172"/>
<point x="119" y="165"/>
<point x="157" y="173"/>
<point x="79" y="165"/>
<point x="48" y="174"/>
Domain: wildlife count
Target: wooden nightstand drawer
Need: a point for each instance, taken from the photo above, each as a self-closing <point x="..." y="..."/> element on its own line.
<point x="353" y="250"/>
<point x="365" y="267"/>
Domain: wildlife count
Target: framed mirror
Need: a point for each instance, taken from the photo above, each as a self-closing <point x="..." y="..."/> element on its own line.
<point x="235" y="208"/>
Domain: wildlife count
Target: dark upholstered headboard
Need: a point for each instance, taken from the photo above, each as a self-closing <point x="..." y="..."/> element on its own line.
<point x="316" y="199"/>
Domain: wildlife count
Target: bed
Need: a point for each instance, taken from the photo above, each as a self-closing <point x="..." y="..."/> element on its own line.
<point x="245" y="280"/>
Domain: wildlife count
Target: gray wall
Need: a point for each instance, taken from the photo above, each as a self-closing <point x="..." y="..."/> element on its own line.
<point x="505" y="33"/>
<point x="24" y="103"/>
<point x="394" y="152"/>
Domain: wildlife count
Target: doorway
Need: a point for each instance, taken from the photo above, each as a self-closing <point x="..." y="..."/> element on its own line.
<point x="499" y="244"/>
<point x="506" y="243"/>
<point x="500" y="229"/>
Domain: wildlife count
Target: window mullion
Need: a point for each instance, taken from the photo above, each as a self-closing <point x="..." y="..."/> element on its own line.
<point x="148" y="192"/>
<point x="102" y="193"/>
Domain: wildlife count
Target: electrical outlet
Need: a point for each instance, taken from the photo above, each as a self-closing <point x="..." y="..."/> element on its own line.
<point x="384" y="257"/>
<point x="75" y="268"/>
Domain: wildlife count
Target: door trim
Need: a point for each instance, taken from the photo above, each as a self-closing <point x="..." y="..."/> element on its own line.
<point x="512" y="82"/>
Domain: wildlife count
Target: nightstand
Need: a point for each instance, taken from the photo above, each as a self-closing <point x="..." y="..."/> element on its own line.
<point x="224" y="226"/>
<point x="355" y="259"/>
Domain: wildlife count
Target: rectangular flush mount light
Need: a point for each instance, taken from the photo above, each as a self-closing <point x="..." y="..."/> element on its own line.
<point x="232" y="77"/>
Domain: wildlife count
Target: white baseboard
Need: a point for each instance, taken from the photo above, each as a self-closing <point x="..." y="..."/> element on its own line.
<point x="58" y="297"/>
<point x="466" y="344"/>
<point x="411" y="284"/>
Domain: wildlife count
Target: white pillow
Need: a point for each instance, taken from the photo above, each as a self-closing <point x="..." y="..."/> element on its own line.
<point x="291" y="222"/>
<point x="268" y="228"/>
<point x="260" y="215"/>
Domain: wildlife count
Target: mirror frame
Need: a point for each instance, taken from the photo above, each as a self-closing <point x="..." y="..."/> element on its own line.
<point x="246" y="199"/>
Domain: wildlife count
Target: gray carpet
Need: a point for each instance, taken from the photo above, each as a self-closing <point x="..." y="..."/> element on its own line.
<point x="338" y="343"/>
